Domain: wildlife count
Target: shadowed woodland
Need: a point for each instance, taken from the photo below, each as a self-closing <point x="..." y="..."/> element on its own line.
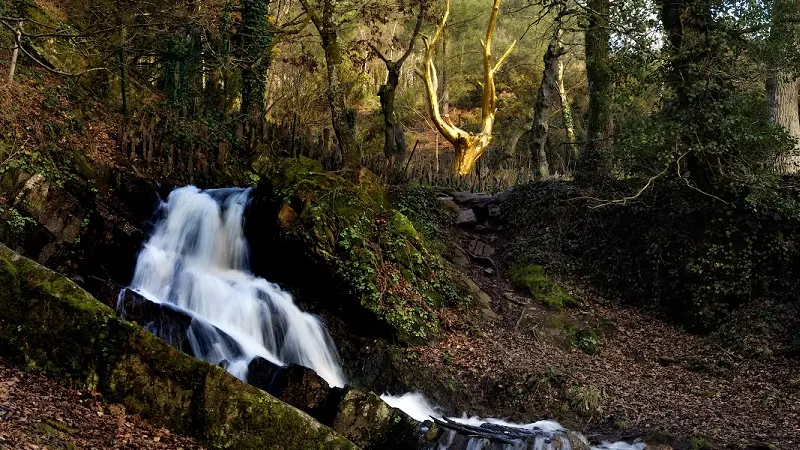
<point x="601" y="169"/>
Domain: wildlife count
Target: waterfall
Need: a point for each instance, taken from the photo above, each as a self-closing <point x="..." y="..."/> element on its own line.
<point x="197" y="261"/>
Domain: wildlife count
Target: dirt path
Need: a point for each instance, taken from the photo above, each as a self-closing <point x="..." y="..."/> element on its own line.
<point x="648" y="378"/>
<point x="38" y="413"/>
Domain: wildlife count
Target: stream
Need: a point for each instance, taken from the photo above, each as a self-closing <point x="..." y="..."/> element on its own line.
<point x="197" y="261"/>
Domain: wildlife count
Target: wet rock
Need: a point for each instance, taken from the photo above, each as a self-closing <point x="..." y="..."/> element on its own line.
<point x="54" y="208"/>
<point x="370" y="423"/>
<point x="300" y="387"/>
<point x="260" y="372"/>
<point x="466" y="218"/>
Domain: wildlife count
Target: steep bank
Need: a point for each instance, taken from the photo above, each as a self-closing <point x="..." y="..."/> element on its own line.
<point x="50" y="325"/>
<point x="36" y="412"/>
<point x="596" y="365"/>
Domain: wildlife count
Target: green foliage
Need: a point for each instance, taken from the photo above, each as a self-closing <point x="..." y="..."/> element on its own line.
<point x="539" y="285"/>
<point x="693" y="258"/>
<point x="699" y="442"/>
<point x="586" y="400"/>
<point x="420" y="205"/>
<point x="378" y="256"/>
<point x="585" y="340"/>
<point x="16" y="221"/>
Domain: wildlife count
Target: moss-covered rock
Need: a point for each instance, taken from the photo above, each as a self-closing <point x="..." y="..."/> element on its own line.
<point x="540" y="286"/>
<point x="372" y="424"/>
<point x="49" y="324"/>
<point x="373" y="253"/>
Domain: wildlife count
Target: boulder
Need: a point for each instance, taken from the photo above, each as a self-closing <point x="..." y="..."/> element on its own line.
<point x="458" y="257"/>
<point x="54" y="208"/>
<point x="480" y="248"/>
<point x="449" y="205"/>
<point x="470" y="200"/>
<point x="50" y="325"/>
<point x="260" y="372"/>
<point x="466" y="218"/>
<point x="300" y="387"/>
<point x="370" y="423"/>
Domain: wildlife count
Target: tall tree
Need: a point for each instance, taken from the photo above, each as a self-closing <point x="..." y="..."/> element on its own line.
<point x="256" y="44"/>
<point x="342" y="118"/>
<point x="394" y="146"/>
<point x="782" y="84"/>
<point x="469" y="146"/>
<point x="551" y="85"/>
<point x="595" y="157"/>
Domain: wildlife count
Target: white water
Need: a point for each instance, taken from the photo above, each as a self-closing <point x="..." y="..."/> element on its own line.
<point x="197" y="260"/>
<point x="419" y="408"/>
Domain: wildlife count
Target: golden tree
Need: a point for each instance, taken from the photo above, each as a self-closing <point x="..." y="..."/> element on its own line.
<point x="469" y="146"/>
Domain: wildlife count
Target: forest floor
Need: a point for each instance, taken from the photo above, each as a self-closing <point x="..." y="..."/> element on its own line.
<point x="648" y="378"/>
<point x="38" y="413"/>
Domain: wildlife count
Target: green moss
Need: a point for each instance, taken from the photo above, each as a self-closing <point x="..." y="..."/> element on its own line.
<point x="377" y="254"/>
<point x="585" y="339"/>
<point x="51" y="325"/>
<point x="540" y="286"/>
<point x="369" y="422"/>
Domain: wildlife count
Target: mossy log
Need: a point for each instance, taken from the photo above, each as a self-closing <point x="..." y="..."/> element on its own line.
<point x="49" y="324"/>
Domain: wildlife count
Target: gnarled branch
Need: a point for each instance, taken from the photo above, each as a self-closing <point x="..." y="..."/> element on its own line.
<point x="469" y="147"/>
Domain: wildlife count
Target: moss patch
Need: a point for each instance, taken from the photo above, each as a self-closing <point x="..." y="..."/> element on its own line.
<point x="378" y="257"/>
<point x="540" y="286"/>
<point x="49" y="324"/>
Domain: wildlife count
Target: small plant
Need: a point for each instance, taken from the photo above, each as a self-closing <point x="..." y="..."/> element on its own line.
<point x="540" y="286"/>
<point x="699" y="442"/>
<point x="585" y="340"/>
<point x="587" y="400"/>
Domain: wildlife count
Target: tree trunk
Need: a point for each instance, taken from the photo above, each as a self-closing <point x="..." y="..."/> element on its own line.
<point x="256" y="42"/>
<point x="595" y="157"/>
<point x="782" y="101"/>
<point x="342" y="117"/>
<point x="782" y="86"/>
<point x="15" y="53"/>
<point x="394" y="147"/>
<point x="544" y="99"/>
<point x="445" y="78"/>
<point x="566" y="112"/>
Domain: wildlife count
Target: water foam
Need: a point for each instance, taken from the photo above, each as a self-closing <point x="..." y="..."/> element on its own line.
<point x="419" y="408"/>
<point x="197" y="260"/>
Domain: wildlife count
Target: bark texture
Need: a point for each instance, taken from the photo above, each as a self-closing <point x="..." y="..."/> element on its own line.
<point x="342" y="117"/>
<point x="782" y="86"/>
<point x="551" y="85"/>
<point x="594" y="159"/>
<point x="256" y="45"/>
<point x="394" y="139"/>
<point x="469" y="146"/>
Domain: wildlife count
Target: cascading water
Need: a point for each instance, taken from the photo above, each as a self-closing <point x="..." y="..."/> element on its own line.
<point x="197" y="261"/>
<point x="541" y="435"/>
